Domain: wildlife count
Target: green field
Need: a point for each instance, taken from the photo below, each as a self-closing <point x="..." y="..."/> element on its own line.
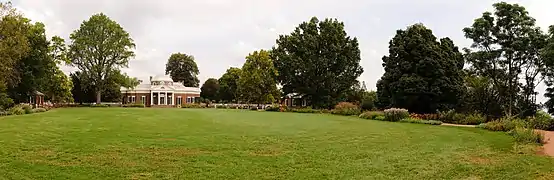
<point x="117" y="143"/>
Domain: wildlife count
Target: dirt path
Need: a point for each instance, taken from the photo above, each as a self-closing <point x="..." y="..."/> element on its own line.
<point x="548" y="147"/>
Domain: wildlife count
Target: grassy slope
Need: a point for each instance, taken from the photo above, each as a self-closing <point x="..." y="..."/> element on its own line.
<point x="117" y="143"/>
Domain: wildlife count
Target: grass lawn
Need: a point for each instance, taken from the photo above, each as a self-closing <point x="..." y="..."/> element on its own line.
<point x="116" y="143"/>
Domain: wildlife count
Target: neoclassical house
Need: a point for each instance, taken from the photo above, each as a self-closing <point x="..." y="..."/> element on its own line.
<point x="161" y="91"/>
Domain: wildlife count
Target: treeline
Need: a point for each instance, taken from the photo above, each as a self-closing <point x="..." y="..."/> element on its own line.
<point x="317" y="61"/>
<point x="29" y="61"/>
<point x="496" y="76"/>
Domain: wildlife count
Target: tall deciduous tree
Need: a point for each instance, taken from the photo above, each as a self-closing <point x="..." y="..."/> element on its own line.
<point x="228" y="85"/>
<point x="547" y="53"/>
<point x="182" y="68"/>
<point x="421" y="74"/>
<point x="319" y="60"/>
<point x="13" y="42"/>
<point x="506" y="48"/>
<point x="257" y="82"/>
<point x="83" y="93"/>
<point x="210" y="89"/>
<point x="99" y="47"/>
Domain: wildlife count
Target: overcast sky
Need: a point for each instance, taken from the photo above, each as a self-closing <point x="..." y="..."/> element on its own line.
<point x="220" y="33"/>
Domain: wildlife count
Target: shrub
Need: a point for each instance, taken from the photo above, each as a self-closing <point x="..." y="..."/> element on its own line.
<point x="4" y="113"/>
<point x="367" y="104"/>
<point x="191" y="105"/>
<point x="420" y="121"/>
<point x="526" y="135"/>
<point x="380" y="118"/>
<point x="16" y="110"/>
<point x="447" y="116"/>
<point x="542" y="120"/>
<point x="305" y="110"/>
<point x="39" y="110"/>
<point x="346" y="109"/>
<point x="472" y="119"/>
<point x="504" y="124"/>
<point x="99" y="105"/>
<point x="254" y="108"/>
<point x="425" y="116"/>
<point x="326" y="111"/>
<point x="371" y="114"/>
<point x="27" y="108"/>
<point x="273" y="108"/>
<point x="395" y="114"/>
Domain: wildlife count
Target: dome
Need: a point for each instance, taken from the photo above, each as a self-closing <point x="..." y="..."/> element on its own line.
<point x="162" y="78"/>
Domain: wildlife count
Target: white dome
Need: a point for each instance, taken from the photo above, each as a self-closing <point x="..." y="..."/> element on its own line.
<point x="162" y="78"/>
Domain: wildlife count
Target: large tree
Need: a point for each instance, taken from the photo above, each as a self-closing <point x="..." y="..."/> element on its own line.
<point x="182" y="68"/>
<point x="83" y="93"/>
<point x="506" y="47"/>
<point x="210" y="89"/>
<point x="228" y="85"/>
<point x="319" y="60"/>
<point x="547" y="53"/>
<point x="421" y="74"/>
<point x="14" y="45"/>
<point x="257" y="82"/>
<point x="100" y="47"/>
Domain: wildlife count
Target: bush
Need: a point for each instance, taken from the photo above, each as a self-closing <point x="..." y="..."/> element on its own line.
<point x="371" y="114"/>
<point x="273" y="108"/>
<point x="254" y="108"/>
<point x="526" y="135"/>
<point x="99" y="105"/>
<point x="191" y="105"/>
<point x="27" y="108"/>
<point x="367" y="104"/>
<point x="425" y="116"/>
<point x="395" y="114"/>
<point x="39" y="110"/>
<point x="305" y="110"/>
<point x="542" y="120"/>
<point x="420" y="121"/>
<point x="473" y="119"/>
<point x="380" y="118"/>
<point x="447" y="116"/>
<point x="346" y="109"/>
<point x="504" y="124"/>
<point x="16" y="110"/>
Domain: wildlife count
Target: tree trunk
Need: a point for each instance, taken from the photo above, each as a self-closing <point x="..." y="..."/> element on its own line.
<point x="98" y="97"/>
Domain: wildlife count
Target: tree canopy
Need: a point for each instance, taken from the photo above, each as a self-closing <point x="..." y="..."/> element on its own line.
<point x="422" y="74"/>
<point x="506" y="49"/>
<point x="228" y="88"/>
<point x="319" y="60"/>
<point x="182" y="68"/>
<point x="210" y="89"/>
<point x="257" y="82"/>
<point x="100" y="47"/>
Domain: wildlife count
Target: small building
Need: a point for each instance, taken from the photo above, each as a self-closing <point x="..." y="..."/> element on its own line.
<point x="161" y="91"/>
<point x="36" y="99"/>
<point x="294" y="100"/>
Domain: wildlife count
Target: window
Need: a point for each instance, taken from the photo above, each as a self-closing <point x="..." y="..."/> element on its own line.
<point x="143" y="100"/>
<point x="131" y="99"/>
<point x="188" y="100"/>
<point x="162" y="99"/>
<point x="179" y="100"/>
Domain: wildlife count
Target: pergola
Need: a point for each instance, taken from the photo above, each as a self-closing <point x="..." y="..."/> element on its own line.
<point x="36" y="99"/>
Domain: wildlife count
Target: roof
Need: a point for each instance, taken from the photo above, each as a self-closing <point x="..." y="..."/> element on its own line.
<point x="163" y="78"/>
<point x="177" y="87"/>
<point x="39" y="93"/>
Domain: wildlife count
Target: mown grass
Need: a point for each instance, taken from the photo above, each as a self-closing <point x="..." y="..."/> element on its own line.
<point x="117" y="143"/>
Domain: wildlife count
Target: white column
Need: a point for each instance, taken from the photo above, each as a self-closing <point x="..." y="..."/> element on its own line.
<point x="158" y="98"/>
<point x="151" y="98"/>
<point x="165" y="102"/>
<point x="173" y="98"/>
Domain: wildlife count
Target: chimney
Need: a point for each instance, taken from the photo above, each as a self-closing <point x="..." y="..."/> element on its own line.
<point x="150" y="79"/>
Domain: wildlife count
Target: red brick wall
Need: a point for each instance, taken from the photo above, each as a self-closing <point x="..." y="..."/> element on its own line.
<point x="138" y="96"/>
